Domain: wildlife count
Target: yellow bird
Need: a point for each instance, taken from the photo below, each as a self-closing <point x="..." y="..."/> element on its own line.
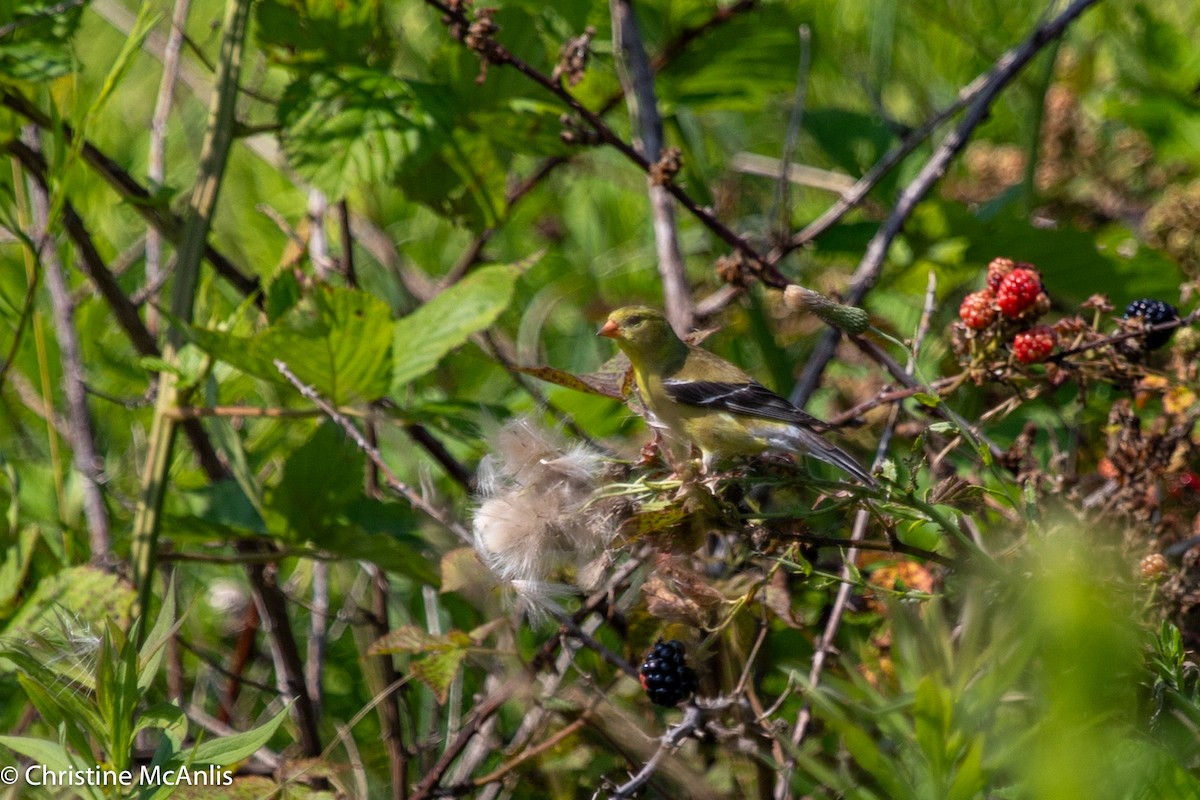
<point x="703" y="399"/>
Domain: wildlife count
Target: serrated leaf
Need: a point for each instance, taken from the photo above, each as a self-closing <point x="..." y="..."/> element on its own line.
<point x="324" y="32"/>
<point x="447" y="321"/>
<point x="353" y="125"/>
<point x="414" y="639"/>
<point x="438" y="671"/>
<point x="38" y="48"/>
<point x="336" y="342"/>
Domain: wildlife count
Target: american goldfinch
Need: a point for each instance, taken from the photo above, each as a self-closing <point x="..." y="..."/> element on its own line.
<point x="703" y="399"/>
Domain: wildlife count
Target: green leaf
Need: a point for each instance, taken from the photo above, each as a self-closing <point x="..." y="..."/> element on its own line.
<point x="39" y="46"/>
<point x="355" y="126"/>
<point x="154" y="646"/>
<point x="166" y="718"/>
<point x="231" y="749"/>
<point x="322" y="32"/>
<point x="927" y="400"/>
<point x="220" y="508"/>
<point x="969" y="779"/>
<point x="336" y="342"/>
<point x="320" y="478"/>
<point x="447" y="321"/>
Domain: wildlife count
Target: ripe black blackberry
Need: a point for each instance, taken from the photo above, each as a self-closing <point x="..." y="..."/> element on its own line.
<point x="1153" y="312"/>
<point x="665" y="675"/>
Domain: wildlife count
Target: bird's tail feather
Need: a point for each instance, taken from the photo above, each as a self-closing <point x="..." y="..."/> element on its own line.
<point x="804" y="441"/>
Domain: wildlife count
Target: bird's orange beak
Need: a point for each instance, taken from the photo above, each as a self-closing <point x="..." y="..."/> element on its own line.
<point x="610" y="330"/>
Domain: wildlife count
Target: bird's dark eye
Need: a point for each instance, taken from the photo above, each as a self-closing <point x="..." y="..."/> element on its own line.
<point x="635" y="320"/>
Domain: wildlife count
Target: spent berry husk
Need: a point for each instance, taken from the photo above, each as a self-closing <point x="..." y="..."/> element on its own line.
<point x="665" y="675"/>
<point x="1034" y="345"/>
<point x="1018" y="291"/>
<point x="1153" y="312"/>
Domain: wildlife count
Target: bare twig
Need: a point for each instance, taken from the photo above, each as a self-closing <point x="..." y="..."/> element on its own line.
<point x="637" y="80"/>
<point x="372" y="453"/>
<point x="317" y="633"/>
<point x="1003" y="72"/>
<point x="673" y="738"/>
<point x="82" y="432"/>
<point x="347" y="265"/>
<point x="156" y="169"/>
<point x="474" y="252"/>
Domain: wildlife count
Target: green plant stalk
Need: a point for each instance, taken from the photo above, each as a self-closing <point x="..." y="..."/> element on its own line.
<point x="213" y="157"/>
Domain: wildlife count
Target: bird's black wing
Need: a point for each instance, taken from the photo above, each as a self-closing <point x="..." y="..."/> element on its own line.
<point x="749" y="399"/>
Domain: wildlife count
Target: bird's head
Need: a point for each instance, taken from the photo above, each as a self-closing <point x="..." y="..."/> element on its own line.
<point x="643" y="333"/>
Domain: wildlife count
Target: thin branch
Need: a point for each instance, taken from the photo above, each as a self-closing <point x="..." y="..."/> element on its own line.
<point x="314" y="668"/>
<point x="494" y="53"/>
<point x="637" y="80"/>
<point x="348" y="270"/>
<point x="675" y="47"/>
<point x="671" y="741"/>
<point x="156" y="169"/>
<point x="372" y="453"/>
<point x="82" y="432"/>
<point x="1005" y="70"/>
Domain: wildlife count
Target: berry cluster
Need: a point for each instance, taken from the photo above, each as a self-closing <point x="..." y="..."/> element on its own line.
<point x="665" y="675"/>
<point x="998" y="331"/>
<point x="1005" y="312"/>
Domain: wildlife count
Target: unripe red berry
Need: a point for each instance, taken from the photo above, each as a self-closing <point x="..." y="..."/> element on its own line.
<point x="1018" y="291"/>
<point x="978" y="309"/>
<point x="1034" y="345"/>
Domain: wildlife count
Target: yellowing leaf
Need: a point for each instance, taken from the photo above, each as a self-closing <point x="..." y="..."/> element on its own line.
<point x="438" y="671"/>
